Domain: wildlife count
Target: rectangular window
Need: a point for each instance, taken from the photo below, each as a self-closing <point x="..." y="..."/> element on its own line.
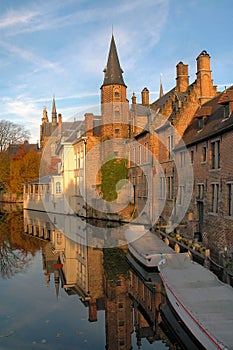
<point x="139" y="155"/>
<point x="200" y="191"/>
<point x="120" y="305"/>
<point x="192" y="156"/>
<point x="204" y="154"/>
<point x="215" y="155"/>
<point x="230" y="199"/>
<point x="226" y="110"/>
<point x="170" y="187"/>
<point x="134" y="155"/>
<point x="182" y="159"/>
<point x="162" y="187"/>
<point x="200" y="123"/>
<point x="181" y="195"/>
<point x="170" y="145"/>
<point x="146" y="152"/>
<point x="214" y="198"/>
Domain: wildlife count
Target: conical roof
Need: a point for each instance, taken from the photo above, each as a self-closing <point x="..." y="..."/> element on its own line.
<point x="54" y="111"/>
<point x="113" y="71"/>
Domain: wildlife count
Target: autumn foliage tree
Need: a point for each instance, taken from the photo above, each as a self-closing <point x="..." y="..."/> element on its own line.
<point x="23" y="168"/>
<point x="4" y="171"/>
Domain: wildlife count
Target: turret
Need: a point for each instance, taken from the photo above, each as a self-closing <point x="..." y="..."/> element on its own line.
<point x="114" y="103"/>
<point x="45" y="116"/>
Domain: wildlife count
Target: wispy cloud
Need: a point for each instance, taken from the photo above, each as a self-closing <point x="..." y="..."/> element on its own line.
<point x="29" y="56"/>
<point x="13" y="18"/>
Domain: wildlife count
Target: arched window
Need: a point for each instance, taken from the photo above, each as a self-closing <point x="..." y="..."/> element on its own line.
<point x="58" y="187"/>
<point x="116" y="94"/>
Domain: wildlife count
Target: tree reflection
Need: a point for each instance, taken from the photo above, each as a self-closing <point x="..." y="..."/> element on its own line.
<point x="12" y="260"/>
<point x="16" y="249"/>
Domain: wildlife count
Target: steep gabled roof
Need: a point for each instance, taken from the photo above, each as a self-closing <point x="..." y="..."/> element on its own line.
<point x="161" y="101"/>
<point x="113" y="71"/>
<point x="214" y="121"/>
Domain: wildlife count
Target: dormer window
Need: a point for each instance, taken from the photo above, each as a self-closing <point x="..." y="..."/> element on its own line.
<point x="226" y="110"/>
<point x="200" y="123"/>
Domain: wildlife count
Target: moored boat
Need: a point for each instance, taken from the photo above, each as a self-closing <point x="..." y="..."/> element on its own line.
<point x="202" y="302"/>
<point x="147" y="248"/>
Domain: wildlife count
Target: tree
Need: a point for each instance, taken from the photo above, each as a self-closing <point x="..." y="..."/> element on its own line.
<point x="4" y="171"/>
<point x="11" y="133"/>
<point x="23" y="170"/>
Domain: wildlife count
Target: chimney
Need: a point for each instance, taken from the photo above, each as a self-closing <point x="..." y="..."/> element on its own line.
<point x="182" y="77"/>
<point x="203" y="62"/>
<point x="89" y="124"/>
<point x="145" y="97"/>
<point x="59" y="119"/>
<point x="92" y="311"/>
<point x="134" y="99"/>
<point x="204" y="77"/>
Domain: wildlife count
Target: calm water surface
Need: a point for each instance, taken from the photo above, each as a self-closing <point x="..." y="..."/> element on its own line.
<point x="57" y="294"/>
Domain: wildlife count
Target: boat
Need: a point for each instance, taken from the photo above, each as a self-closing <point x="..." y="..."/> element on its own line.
<point x="202" y="302"/>
<point x="150" y="276"/>
<point x="176" y="330"/>
<point x="147" y="248"/>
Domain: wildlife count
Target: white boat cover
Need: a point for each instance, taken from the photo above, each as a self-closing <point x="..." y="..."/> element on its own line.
<point x="209" y="300"/>
<point x="146" y="242"/>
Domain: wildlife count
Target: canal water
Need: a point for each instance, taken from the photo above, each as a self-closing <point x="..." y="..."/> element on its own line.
<point x="56" y="293"/>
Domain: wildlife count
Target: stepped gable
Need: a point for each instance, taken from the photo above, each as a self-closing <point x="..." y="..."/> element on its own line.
<point x="161" y="102"/>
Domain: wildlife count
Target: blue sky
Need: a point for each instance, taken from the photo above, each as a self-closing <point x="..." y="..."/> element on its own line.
<point x="60" y="48"/>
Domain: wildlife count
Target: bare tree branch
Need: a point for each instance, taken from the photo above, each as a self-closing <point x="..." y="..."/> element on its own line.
<point x="11" y="133"/>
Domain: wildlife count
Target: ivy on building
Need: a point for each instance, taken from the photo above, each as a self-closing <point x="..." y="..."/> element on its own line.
<point x="112" y="172"/>
<point x="115" y="264"/>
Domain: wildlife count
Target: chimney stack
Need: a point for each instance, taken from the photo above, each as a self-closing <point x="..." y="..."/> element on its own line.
<point x="182" y="77"/>
<point x="59" y="119"/>
<point x="134" y="99"/>
<point x="145" y="97"/>
<point x="204" y="77"/>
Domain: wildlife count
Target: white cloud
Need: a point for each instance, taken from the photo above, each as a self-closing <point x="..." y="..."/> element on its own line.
<point x="32" y="58"/>
<point x="15" y="18"/>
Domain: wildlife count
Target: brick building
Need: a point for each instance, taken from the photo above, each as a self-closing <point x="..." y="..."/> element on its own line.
<point x="148" y="134"/>
<point x="209" y="140"/>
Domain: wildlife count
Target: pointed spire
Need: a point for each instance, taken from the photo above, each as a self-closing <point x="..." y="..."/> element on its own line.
<point x="113" y="71"/>
<point x="54" y="112"/>
<point x="45" y="116"/>
<point x="161" y="87"/>
<point x="57" y="282"/>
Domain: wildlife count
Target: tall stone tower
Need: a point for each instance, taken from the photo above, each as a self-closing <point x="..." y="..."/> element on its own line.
<point x="114" y="103"/>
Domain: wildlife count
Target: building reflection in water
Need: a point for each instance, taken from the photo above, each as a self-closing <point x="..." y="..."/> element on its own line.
<point x="106" y="279"/>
